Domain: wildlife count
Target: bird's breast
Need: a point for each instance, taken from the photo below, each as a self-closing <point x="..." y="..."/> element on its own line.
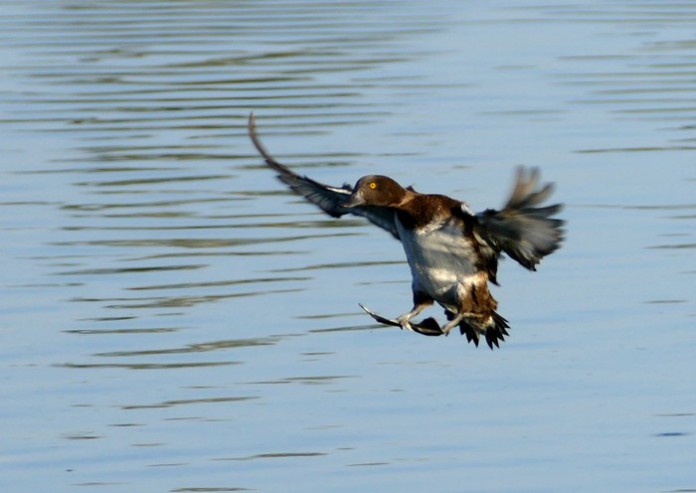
<point x="440" y="256"/>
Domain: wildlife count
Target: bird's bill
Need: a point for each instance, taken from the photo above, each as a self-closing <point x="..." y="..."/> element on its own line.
<point x="355" y="200"/>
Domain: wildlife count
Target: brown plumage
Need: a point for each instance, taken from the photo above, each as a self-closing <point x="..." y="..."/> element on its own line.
<point x="452" y="252"/>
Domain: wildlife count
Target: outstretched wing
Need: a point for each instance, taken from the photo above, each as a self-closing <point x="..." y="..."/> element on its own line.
<point x="329" y="199"/>
<point x="522" y="229"/>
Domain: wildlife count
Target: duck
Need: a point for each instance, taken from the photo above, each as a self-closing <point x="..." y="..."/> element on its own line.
<point x="452" y="252"/>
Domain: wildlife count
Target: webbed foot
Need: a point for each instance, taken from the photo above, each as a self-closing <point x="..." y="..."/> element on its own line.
<point x="426" y="327"/>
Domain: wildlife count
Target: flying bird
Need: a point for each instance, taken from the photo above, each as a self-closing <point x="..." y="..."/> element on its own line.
<point x="453" y="252"/>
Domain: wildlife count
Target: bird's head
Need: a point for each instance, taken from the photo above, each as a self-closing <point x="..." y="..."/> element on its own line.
<point x="375" y="190"/>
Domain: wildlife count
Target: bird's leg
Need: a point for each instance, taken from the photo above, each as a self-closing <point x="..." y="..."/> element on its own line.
<point x="404" y="319"/>
<point x="420" y="302"/>
<point x="427" y="327"/>
<point x="453" y="323"/>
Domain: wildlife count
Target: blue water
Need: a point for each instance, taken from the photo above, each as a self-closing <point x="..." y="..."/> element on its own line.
<point x="174" y="320"/>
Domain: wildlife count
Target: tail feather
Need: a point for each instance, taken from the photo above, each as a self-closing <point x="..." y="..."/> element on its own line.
<point x="491" y="326"/>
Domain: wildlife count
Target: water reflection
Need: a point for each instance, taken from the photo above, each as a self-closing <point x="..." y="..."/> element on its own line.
<point x="141" y="232"/>
<point x="196" y="348"/>
<point x="147" y="366"/>
<point x="188" y="402"/>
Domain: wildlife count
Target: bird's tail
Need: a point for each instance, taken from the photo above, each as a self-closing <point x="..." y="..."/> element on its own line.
<point x="490" y="326"/>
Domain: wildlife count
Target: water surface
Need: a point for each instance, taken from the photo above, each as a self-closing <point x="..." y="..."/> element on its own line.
<point x="174" y="320"/>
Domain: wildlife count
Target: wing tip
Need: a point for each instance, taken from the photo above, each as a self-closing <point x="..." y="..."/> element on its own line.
<point x="251" y="123"/>
<point x="270" y="160"/>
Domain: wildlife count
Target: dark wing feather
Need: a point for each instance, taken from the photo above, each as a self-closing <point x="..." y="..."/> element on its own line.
<point x="384" y="217"/>
<point x="329" y="199"/>
<point x="522" y="229"/>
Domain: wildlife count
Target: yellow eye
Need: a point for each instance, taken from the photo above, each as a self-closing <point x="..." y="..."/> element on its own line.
<point x="372" y="185"/>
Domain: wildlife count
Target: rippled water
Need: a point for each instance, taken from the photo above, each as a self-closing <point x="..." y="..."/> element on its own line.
<point x="174" y="320"/>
